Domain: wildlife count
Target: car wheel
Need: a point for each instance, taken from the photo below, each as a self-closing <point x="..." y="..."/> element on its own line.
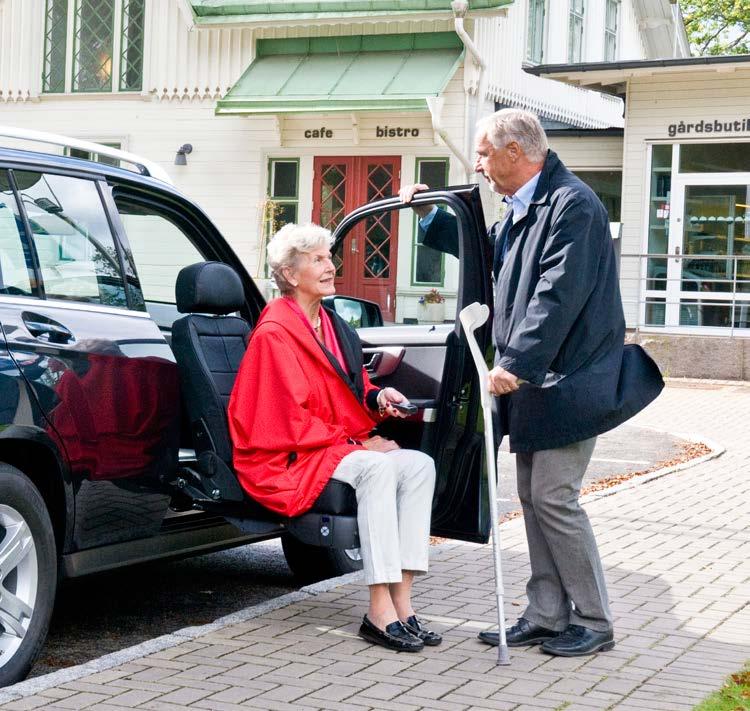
<point x="28" y="574"/>
<point x="313" y="563"/>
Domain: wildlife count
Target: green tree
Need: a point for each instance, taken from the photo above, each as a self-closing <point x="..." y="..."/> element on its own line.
<point x="717" y="26"/>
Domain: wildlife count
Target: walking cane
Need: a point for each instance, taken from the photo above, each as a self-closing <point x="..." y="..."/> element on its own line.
<point x="472" y="317"/>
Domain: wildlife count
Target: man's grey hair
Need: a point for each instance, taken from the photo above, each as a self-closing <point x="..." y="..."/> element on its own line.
<point x="523" y="127"/>
<point x="286" y="246"/>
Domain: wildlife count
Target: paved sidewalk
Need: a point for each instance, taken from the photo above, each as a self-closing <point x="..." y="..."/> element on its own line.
<point x="677" y="557"/>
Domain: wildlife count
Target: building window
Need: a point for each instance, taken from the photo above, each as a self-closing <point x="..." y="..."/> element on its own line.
<point x="698" y="248"/>
<point x="535" y="38"/>
<point x="98" y="157"/>
<point x="610" y="30"/>
<point x="55" y="46"/>
<point x="575" y="33"/>
<point x="282" y="204"/>
<point x="607" y="184"/>
<point x="131" y="48"/>
<point x="93" y="45"/>
<point x="428" y="265"/>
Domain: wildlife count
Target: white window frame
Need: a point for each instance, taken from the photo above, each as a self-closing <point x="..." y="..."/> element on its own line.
<point x="610" y="33"/>
<point x="673" y="294"/>
<point x="582" y="16"/>
<point x="528" y="53"/>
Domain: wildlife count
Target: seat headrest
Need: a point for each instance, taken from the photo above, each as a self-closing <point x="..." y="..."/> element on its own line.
<point x="209" y="288"/>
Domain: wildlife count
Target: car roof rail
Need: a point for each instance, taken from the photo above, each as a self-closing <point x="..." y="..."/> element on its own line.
<point x="143" y="165"/>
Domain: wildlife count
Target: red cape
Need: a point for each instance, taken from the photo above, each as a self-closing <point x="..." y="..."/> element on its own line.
<point x="292" y="417"/>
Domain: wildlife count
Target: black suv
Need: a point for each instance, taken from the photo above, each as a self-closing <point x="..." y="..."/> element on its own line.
<point x="107" y="458"/>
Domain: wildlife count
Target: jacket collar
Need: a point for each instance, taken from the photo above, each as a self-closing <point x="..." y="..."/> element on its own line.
<point x="551" y="164"/>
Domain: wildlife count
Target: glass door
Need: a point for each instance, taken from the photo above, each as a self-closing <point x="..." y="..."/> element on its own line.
<point x="708" y="280"/>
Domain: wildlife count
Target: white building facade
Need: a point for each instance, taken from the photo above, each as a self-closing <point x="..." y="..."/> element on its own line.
<point x="303" y="115"/>
<point x="685" y="268"/>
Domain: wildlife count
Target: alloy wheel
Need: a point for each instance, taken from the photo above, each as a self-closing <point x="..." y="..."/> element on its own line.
<point x="19" y="578"/>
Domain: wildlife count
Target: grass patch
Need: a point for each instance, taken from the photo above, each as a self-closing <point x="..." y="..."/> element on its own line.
<point x="733" y="696"/>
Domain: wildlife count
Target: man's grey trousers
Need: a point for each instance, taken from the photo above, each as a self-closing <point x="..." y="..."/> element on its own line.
<point x="394" y="505"/>
<point x="567" y="581"/>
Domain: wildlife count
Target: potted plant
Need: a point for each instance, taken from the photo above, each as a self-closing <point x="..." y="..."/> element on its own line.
<point x="431" y="307"/>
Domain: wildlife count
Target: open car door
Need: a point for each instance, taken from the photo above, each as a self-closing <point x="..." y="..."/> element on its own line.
<point x="430" y="363"/>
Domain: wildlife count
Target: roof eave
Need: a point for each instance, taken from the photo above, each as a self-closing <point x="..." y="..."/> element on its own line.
<point x="612" y="77"/>
<point x="322" y="18"/>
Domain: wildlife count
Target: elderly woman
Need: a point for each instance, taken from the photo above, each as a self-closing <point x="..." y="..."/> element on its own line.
<point x="301" y="412"/>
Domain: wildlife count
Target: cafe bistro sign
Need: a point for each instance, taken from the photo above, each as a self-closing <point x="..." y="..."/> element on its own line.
<point x="380" y="132"/>
<point x="708" y="126"/>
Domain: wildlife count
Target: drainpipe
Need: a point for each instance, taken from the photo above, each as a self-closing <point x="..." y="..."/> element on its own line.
<point x="460" y="8"/>
<point x="435" y="105"/>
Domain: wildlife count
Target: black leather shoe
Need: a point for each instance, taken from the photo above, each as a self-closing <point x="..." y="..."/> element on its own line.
<point x="522" y="634"/>
<point x="577" y="641"/>
<point x="415" y="626"/>
<point x="396" y="636"/>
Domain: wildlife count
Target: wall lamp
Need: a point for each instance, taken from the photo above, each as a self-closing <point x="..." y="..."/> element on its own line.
<point x="181" y="155"/>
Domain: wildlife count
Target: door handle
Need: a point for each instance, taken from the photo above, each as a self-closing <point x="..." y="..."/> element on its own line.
<point x="46" y="329"/>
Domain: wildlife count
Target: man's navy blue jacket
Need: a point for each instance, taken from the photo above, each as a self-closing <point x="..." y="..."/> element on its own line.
<point x="558" y="320"/>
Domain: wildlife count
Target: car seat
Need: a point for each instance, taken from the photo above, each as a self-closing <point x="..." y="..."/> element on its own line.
<point x="209" y="343"/>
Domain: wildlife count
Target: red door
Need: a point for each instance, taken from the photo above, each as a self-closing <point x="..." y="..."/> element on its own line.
<point x="366" y="268"/>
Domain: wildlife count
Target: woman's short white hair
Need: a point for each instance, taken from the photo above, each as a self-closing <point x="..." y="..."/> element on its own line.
<point x="523" y="127"/>
<point x="288" y="243"/>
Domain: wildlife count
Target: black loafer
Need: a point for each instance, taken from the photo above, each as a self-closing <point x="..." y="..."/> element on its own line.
<point x="522" y="634"/>
<point x="395" y="636"/>
<point x="415" y="626"/>
<point x="577" y="641"/>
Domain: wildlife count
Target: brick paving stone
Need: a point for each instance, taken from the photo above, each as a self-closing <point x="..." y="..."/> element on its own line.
<point x="360" y="701"/>
<point x="428" y="703"/>
<point x="83" y="700"/>
<point x="25" y="704"/>
<point x="132" y="698"/>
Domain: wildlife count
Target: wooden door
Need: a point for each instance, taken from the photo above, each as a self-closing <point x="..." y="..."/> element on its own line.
<point x="366" y="266"/>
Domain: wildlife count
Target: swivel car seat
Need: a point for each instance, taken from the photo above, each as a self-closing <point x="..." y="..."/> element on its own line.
<point x="209" y="344"/>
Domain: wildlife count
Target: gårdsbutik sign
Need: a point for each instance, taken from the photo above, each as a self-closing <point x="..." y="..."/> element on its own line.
<point x="708" y="126"/>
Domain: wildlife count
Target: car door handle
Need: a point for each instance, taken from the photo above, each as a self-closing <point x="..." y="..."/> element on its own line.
<point x="45" y="329"/>
<point x="383" y="361"/>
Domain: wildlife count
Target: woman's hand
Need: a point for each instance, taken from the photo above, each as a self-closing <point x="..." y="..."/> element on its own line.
<point x="380" y="444"/>
<point x="387" y="396"/>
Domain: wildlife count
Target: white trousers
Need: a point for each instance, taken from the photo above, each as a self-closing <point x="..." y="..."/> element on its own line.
<point x="394" y="505"/>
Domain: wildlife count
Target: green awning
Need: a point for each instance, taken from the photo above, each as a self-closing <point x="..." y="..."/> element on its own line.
<point x="365" y="73"/>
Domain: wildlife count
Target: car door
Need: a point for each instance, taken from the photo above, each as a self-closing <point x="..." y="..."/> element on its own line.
<point x="431" y="364"/>
<point x="97" y="364"/>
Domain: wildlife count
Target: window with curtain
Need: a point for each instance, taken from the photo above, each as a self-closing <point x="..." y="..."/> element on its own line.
<point x="535" y="36"/>
<point x="575" y="31"/>
<point x="611" y="19"/>
<point x="93" y="45"/>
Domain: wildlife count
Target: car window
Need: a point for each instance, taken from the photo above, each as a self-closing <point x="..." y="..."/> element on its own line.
<point x="72" y="238"/>
<point x="159" y="249"/>
<point x="427" y="292"/>
<point x="16" y="272"/>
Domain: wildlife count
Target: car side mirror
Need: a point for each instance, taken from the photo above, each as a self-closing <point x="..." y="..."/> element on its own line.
<point x="358" y="313"/>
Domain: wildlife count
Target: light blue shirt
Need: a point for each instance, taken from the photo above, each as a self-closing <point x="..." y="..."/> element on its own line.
<point x="522" y="199"/>
<point x="519" y="203"/>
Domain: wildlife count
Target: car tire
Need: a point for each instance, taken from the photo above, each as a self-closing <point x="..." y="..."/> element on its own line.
<point x="313" y="563"/>
<point x="28" y="574"/>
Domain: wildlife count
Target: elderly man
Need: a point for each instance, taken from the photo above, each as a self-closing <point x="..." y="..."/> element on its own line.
<point x="562" y="375"/>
